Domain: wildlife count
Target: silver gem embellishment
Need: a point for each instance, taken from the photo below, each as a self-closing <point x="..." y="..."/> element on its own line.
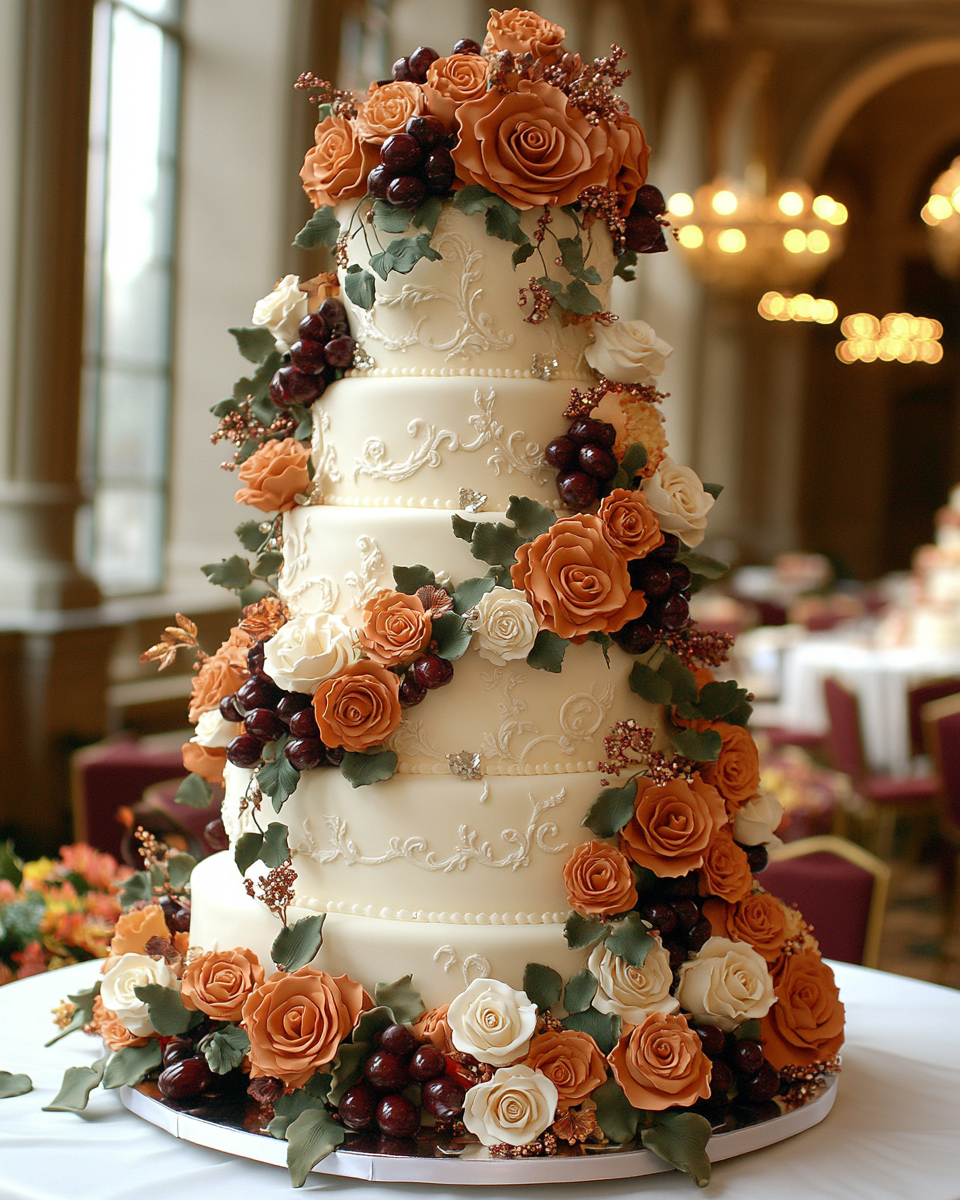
<point x="470" y="501"/>
<point x="544" y="368"/>
<point x="362" y="361"/>
<point x="465" y="765"/>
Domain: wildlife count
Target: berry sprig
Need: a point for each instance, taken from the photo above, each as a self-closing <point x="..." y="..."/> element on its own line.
<point x="338" y="102"/>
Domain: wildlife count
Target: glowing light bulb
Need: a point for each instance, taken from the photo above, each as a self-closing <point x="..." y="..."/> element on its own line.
<point x="690" y="236"/>
<point x="824" y="207"/>
<point x="940" y="207"/>
<point x="724" y="202"/>
<point x="955" y="198"/>
<point x="680" y="204"/>
<point x="731" y="241"/>
<point x="795" y="240"/>
<point x="818" y="241"/>
<point x="791" y="204"/>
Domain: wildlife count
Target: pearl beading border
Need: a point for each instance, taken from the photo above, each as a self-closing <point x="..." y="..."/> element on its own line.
<point x="567" y="768"/>
<point x="464" y="373"/>
<point x="422" y="916"/>
<point x="334" y="501"/>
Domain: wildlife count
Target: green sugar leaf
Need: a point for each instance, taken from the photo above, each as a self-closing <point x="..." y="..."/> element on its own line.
<point x="702" y="564"/>
<point x="522" y="253"/>
<point x="402" y="998"/>
<point x="78" y="1083"/>
<point x="179" y="869"/>
<point x="137" y="887"/>
<point x="14" y="1085"/>
<point x="225" y="1048"/>
<point x="250" y="536"/>
<point x="289" y="1106"/>
<point x="582" y="932"/>
<point x="579" y="992"/>
<point x="503" y="221"/>
<point x="649" y="685"/>
<point x="389" y="218"/>
<point x="496" y="543"/>
<point x="680" y="1138"/>
<point x="604" y="1028"/>
<point x="83" y="1004"/>
<point x="713" y="488"/>
<point x="296" y="945"/>
<point x="410" y="579"/>
<point x="578" y="299"/>
<point x="254" y="344"/>
<point x="474" y="199"/>
<point x="269" y="563"/>
<point x="683" y="682"/>
<point x="311" y="1137"/>
<point x="168" y="1014"/>
<point x="530" y="518"/>
<point x="427" y="215"/>
<point x="322" y="229"/>
<point x="362" y="769"/>
<point x="452" y="635"/>
<point x="611" y="810"/>
<point x="624" y="266"/>
<point x="700" y="747"/>
<point x="232" y="573"/>
<point x="360" y="287"/>
<point x="247" y="850"/>
<point x="275" y="850"/>
<point x="462" y="528"/>
<point x="615" y="1115"/>
<point x="542" y="984"/>
<point x="631" y="940"/>
<point x="471" y="591"/>
<point x="548" y="651"/>
<point x="129" y="1065"/>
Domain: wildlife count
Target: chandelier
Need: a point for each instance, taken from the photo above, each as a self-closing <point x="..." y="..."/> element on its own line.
<point x="942" y="216"/>
<point x="735" y="240"/>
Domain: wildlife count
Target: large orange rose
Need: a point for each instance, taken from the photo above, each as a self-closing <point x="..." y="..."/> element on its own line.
<point x="599" y="880"/>
<point x="736" y="773"/>
<point x="336" y="167"/>
<point x="672" y="825"/>
<point x="393" y="627"/>
<point x="452" y="81"/>
<point x="218" y="983"/>
<point x="206" y="761"/>
<point x="275" y="474"/>
<point x="530" y="146"/>
<point x="629" y="523"/>
<point x="575" y="580"/>
<point x="759" y="919"/>
<point x="359" y="707"/>
<point x="387" y="109"/>
<point x="805" y="1026"/>
<point x="523" y="32"/>
<point x="662" y="1063"/>
<point x="296" y="1021"/>
<point x="571" y="1060"/>
<point x="135" y="928"/>
<point x="629" y="168"/>
<point x="115" y="1035"/>
<point x="726" y="869"/>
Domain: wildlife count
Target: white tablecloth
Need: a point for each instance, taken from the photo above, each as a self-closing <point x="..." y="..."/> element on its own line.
<point x="894" y="1133"/>
<point x="881" y="679"/>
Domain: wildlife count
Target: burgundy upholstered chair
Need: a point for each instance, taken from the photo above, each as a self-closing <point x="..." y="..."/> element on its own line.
<point x="941" y="728"/>
<point x="890" y="796"/>
<point x="840" y="888"/>
<point x="917" y="697"/>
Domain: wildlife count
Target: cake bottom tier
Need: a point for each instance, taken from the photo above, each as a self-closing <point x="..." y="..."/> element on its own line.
<point x="443" y="959"/>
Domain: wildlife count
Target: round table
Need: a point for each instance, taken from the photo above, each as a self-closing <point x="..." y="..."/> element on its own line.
<point x="894" y="1133"/>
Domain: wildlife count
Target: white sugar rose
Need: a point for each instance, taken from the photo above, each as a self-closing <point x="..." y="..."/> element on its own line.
<point x="131" y="971"/>
<point x="516" y="1106"/>
<point x="628" y="352"/>
<point x="679" y="500"/>
<point x="755" y="821"/>
<point x="492" y="1022"/>
<point x="727" y="983"/>
<point x="505" y="625"/>
<point x="308" y="650"/>
<point x="213" y="731"/>
<point x="282" y="311"/>
<point x="633" y="993"/>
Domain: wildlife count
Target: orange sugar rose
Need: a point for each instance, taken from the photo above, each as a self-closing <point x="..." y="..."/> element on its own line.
<point x="134" y="929"/>
<point x="759" y="919"/>
<point x="726" y="869"/>
<point x="629" y="168"/>
<point x="387" y="109"/>
<point x="107" y="1024"/>
<point x="359" y="707"/>
<point x="662" y="1063"/>
<point x="393" y="627"/>
<point x="524" y="32"/>
<point x="275" y="475"/>
<point x="629" y="523"/>
<point x="805" y="1026"/>
<point x="218" y="983"/>
<point x="452" y="81"/>
<point x="206" y="761"/>
<point x="432" y="1026"/>
<point x="599" y="880"/>
<point x="336" y="167"/>
<point x="571" y="1060"/>
<point x="220" y="675"/>
<point x="736" y="773"/>
<point x="672" y="825"/>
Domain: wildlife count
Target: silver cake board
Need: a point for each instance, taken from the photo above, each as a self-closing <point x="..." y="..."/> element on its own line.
<point x="474" y="1165"/>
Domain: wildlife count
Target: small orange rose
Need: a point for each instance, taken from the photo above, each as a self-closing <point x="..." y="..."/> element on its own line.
<point x="629" y="523"/>
<point x="206" y="761"/>
<point x="336" y="167"/>
<point x="432" y="1026"/>
<point x="275" y="474"/>
<point x="218" y="983"/>
<point x="134" y="929"/>
<point x="759" y="919"/>
<point x="672" y="825"/>
<point x="523" y="32"/>
<point x="662" y="1063"/>
<point x="220" y="675"/>
<point x="736" y="773"/>
<point x="571" y="1060"/>
<point x="805" y="1026"/>
<point x="629" y="168"/>
<point x="359" y="707"/>
<point x="394" y="627"/>
<point x="599" y="880"/>
<point x="575" y="580"/>
<point x="115" y="1035"/>
<point x="452" y="81"/>
<point x="387" y="109"/>
<point x="726" y="869"/>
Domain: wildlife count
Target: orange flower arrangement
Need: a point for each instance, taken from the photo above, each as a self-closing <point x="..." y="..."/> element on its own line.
<point x="725" y="871"/>
<point x="275" y="474"/>
<point x="387" y="109"/>
<point x="672" y="825"/>
<point x="220" y="675"/>
<point x="759" y="919"/>
<point x="524" y="32"/>
<point x="571" y="1060"/>
<point x="337" y="165"/>
<point x="452" y="81"/>
<point x="359" y="707"/>
<point x="599" y="880"/>
<point x="217" y="984"/>
<point x="629" y="523"/>
<point x="805" y="1026"/>
<point x="662" y="1063"/>
<point x="736" y="773"/>
<point x="394" y="627"/>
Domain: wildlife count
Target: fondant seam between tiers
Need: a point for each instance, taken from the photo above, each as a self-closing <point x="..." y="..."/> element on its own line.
<point x="567" y="768"/>
<point x="465" y="373"/>
<point x="333" y="500"/>
<point x="423" y="916"/>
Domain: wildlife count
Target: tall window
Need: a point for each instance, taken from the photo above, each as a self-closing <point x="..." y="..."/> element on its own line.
<point x="131" y="200"/>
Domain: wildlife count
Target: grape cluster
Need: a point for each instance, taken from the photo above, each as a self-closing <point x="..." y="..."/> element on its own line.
<point x="413" y="68"/>
<point x="585" y="460"/>
<point x="644" y="234"/>
<point x="324" y="351"/>
<point x="429" y="672"/>
<point x="738" y="1061"/>
<point x="676" y="915"/>
<point x="414" y="164"/>
<point x="666" y="587"/>
<point x="176" y="913"/>
<point x="381" y="1100"/>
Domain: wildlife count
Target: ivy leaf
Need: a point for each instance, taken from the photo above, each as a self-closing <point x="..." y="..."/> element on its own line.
<point x="578" y="299"/>
<point x="322" y="229"/>
<point x="303" y="431"/>
<point x="359" y="286"/>
<point x="683" y="682"/>
<point x="611" y="810"/>
<point x="553" y="286"/>
<point x="571" y="255"/>
<point x="297" y="944"/>
<point x="311" y="1137"/>
<point x="318" y="1086"/>
<point x="680" y="1138"/>
<point x="14" y="1085"/>
<point x="257" y="390"/>
<point x="633" y="461"/>
<point x="223" y="408"/>
<point x="129" y="1065"/>
<point x="269" y="563"/>
<point x="389" y="218"/>
<point x="604" y="1028"/>
<point x="275" y="850"/>
<point x="452" y="635"/>
<point x="503" y="221"/>
<point x="247" y="850"/>
<point x="542" y="984"/>
<point x="624" y="266"/>
<point x="372" y="1022"/>
<point x="615" y="1115"/>
<point x="649" y="685"/>
<point x="462" y="528"/>
<point x="402" y="998"/>
<point x="78" y="1083"/>
<point x="83" y="1002"/>
<point x="702" y="564"/>
<point x="579" y="992"/>
<point x="717" y="700"/>
<point x="474" y="198"/>
<point x="250" y="536"/>
<point x="701" y="747"/>
<point x="232" y="573"/>
<point x="224" y="1051"/>
<point x="347" y="1066"/>
<point x="530" y="518"/>
<point x="582" y="932"/>
<point x="179" y="869"/>
<point x="403" y="254"/>
<point x="246" y="450"/>
<point x="604" y="642"/>
<point x="359" y="770"/>
<point x="137" y="887"/>
<point x="288" y="1107"/>
<point x="168" y="1014"/>
<point x="278" y="779"/>
<point x="631" y="940"/>
<point x="496" y="543"/>
<point x="713" y="488"/>
<point x="427" y="215"/>
<point x="548" y="651"/>
<point x="522" y="253"/>
<point x="195" y="792"/>
<point x="254" y="344"/>
<point x="748" y="1029"/>
<point x="470" y="592"/>
<point x="410" y="579"/>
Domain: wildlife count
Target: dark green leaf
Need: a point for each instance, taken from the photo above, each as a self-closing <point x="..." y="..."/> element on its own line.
<point x="748" y="1029"/>
<point x="78" y="1083"/>
<point x="591" y="275"/>
<point x="633" y="461"/>
<point x="631" y="940"/>
<point x="503" y="221"/>
<point x="83" y="1010"/>
<point x="649" y="685"/>
<point x="683" y="682"/>
<point x="288" y="1107"/>
<point x="275" y="850"/>
<point x="318" y="1086"/>
<point x="428" y="214"/>
<point x="548" y="651"/>
<point x="297" y="944"/>
<point x="577" y="298"/>
<point x="360" y="287"/>
<point x="625" y="262"/>
<point x="11" y="867"/>
<point x="348" y="1065"/>
<point x="530" y="518"/>
<point x="269" y="563"/>
<point x="247" y="850"/>
<point x="453" y="637"/>
<point x="702" y="564"/>
<point x="410" y="579"/>
<point x="542" y="984"/>
<point x="248" y="448"/>
<point x="402" y="998"/>
<point x="129" y="1065"/>
<point x="611" y="810"/>
<point x="232" y="573"/>
<point x="578" y="993"/>
<point x="582" y="932"/>
<point x="462" y="528"/>
<point x="257" y="390"/>
<point x="254" y="344"/>
<point x="322" y="229"/>
<point x="168" y="1015"/>
<point x="224" y="1051"/>
<point x="403" y="254"/>
<point x="359" y="770"/>
<point x="717" y="701"/>
<point x="571" y="255"/>
<point x="495" y="542"/>
<point x="179" y="869"/>
<point x="553" y="286"/>
<point x="615" y="1115"/>
<point x="278" y="779"/>
<point x="680" y="1138"/>
<point x="195" y="792"/>
<point x="311" y="1137"/>
<point x="389" y="218"/>
<point x="137" y="887"/>
<point x="522" y="253"/>
<point x="740" y="715"/>
<point x="303" y="431"/>
<point x="14" y="1085"/>
<point x="223" y="408"/>
<point x="604" y="1028"/>
<point x="470" y="592"/>
<point x="474" y="199"/>
<point x="372" y="1022"/>
<point x="604" y="642"/>
<point x="701" y="747"/>
<point x="713" y="488"/>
